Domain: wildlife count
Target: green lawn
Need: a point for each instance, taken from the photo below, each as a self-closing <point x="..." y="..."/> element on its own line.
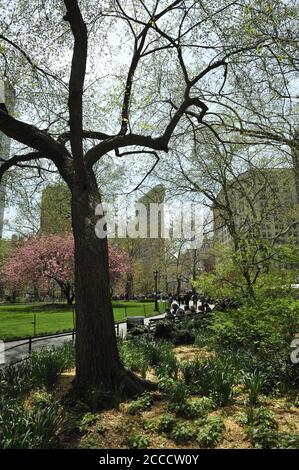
<point x="16" y="320"/>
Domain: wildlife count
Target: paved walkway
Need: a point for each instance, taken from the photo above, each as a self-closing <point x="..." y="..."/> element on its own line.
<point x="17" y="350"/>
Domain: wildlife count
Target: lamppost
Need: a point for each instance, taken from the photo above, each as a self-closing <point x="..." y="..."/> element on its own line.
<point x="156" y="273"/>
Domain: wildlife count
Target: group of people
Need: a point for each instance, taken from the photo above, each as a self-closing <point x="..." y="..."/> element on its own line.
<point x="188" y="304"/>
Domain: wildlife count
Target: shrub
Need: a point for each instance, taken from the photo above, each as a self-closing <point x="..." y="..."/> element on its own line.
<point x="262" y="429"/>
<point x="223" y="381"/>
<point x="133" y="357"/>
<point x="41" y="369"/>
<point x="182" y="433"/>
<point x="41" y="398"/>
<point x="214" y="376"/>
<point x="197" y="408"/>
<point x="36" y="428"/>
<point x="176" y="390"/>
<point x="263" y="437"/>
<point x="47" y="364"/>
<point x="164" y="330"/>
<point x="16" y="381"/>
<point x="166" y="424"/>
<point x="138" y="441"/>
<point x="264" y="328"/>
<point x="182" y="336"/>
<point x="143" y="352"/>
<point x="211" y="432"/>
<point x="169" y="367"/>
<point x="144" y="402"/>
<point x="288" y="441"/>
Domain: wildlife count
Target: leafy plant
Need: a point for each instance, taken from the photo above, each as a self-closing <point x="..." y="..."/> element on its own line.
<point x="144" y="402"/>
<point x="262" y="428"/>
<point x="183" y="336"/>
<point x="182" y="433"/>
<point x="254" y="383"/>
<point x="288" y="441"/>
<point x="213" y="376"/>
<point x="36" y="428"/>
<point x="190" y="409"/>
<point x="164" y="330"/>
<point x="176" y="390"/>
<point x="167" y="423"/>
<point x="47" y="364"/>
<point x="87" y="420"/>
<point x="138" y="441"/>
<point x="211" y="432"/>
<point x="16" y="381"/>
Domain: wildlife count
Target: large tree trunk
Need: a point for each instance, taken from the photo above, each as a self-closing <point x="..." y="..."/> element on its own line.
<point x="97" y="358"/>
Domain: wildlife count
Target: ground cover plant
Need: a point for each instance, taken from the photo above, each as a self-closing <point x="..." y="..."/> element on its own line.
<point x="224" y="391"/>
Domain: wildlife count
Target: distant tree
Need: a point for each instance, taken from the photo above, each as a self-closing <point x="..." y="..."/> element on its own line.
<point x="6" y="246"/>
<point x="41" y="260"/>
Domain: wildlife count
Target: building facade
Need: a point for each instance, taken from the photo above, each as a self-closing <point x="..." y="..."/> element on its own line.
<point x="261" y="203"/>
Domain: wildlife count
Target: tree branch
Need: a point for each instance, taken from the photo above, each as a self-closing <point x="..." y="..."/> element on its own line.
<point x="16" y="159"/>
<point x="77" y="77"/>
<point x="41" y="141"/>
<point x="33" y="65"/>
<point x="118" y="154"/>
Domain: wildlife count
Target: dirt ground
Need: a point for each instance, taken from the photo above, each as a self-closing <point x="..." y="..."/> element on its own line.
<point x="111" y="428"/>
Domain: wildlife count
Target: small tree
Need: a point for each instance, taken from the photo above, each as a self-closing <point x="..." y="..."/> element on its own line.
<point x="41" y="260"/>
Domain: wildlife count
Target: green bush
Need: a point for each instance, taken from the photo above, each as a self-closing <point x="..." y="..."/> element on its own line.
<point x="182" y="336"/>
<point x="210" y="434"/>
<point x="288" y="441"/>
<point x="265" y="328"/>
<point x="167" y="423"/>
<point x="138" y="441"/>
<point x="140" y="353"/>
<point x="41" y="369"/>
<point x="16" y="381"/>
<point x="36" y="428"/>
<point x="143" y="403"/>
<point x="213" y="376"/>
<point x="164" y="330"/>
<point x="182" y="433"/>
<point x="262" y="428"/>
<point x="176" y="390"/>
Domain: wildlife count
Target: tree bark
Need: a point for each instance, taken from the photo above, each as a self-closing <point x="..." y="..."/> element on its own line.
<point x="97" y="359"/>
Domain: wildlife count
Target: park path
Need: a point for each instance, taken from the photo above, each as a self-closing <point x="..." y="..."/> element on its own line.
<point x="15" y="351"/>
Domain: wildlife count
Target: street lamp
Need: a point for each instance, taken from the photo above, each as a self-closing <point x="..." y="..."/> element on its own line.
<point x="156" y="273"/>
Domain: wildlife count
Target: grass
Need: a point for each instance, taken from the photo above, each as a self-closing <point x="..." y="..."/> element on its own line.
<point x="16" y="320"/>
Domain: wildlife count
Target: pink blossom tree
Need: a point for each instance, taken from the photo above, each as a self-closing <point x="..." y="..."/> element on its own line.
<point x="41" y="260"/>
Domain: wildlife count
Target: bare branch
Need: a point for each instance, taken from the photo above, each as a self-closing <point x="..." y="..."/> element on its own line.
<point x="77" y="77"/>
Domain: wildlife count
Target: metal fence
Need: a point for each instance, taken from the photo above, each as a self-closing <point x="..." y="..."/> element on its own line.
<point x="37" y="324"/>
<point x="26" y="347"/>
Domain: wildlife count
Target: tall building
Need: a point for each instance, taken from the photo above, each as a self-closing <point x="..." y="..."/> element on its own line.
<point x="151" y="249"/>
<point x="262" y="202"/>
<point x="7" y="100"/>
<point x="56" y="209"/>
